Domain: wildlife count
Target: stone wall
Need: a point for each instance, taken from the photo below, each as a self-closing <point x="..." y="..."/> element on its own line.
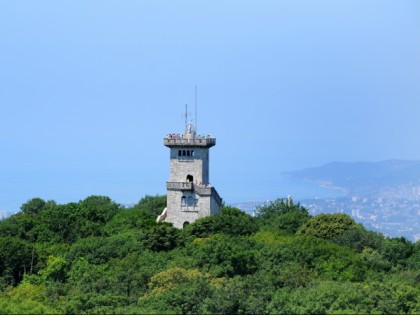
<point x="178" y="213"/>
<point x="197" y="166"/>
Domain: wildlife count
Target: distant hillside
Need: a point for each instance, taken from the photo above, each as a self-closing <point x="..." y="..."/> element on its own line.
<point x="361" y="176"/>
<point x="5" y="214"/>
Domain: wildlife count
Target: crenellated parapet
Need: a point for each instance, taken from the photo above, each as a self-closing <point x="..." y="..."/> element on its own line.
<point x="178" y="141"/>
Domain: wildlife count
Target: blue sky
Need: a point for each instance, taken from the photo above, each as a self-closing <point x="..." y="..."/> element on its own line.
<point x="88" y="89"/>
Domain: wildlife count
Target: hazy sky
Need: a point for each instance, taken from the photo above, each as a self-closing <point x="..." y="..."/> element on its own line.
<point x="88" y="90"/>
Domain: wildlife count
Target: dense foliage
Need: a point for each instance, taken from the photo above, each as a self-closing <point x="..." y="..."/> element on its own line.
<point x="95" y="256"/>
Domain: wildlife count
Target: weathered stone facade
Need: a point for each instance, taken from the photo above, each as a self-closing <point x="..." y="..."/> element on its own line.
<point x="189" y="193"/>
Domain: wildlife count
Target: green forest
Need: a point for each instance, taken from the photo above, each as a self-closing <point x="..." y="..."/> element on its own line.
<point x="95" y="256"/>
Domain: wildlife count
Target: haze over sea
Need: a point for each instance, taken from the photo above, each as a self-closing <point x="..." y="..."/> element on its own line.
<point x="120" y="187"/>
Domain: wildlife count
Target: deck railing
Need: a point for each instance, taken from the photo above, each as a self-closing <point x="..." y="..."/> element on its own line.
<point x="197" y="142"/>
<point x="179" y="185"/>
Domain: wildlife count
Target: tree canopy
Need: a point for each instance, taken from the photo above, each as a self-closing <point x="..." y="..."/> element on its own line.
<point x="95" y="256"/>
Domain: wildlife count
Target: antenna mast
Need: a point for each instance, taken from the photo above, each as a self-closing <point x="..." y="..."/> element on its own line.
<point x="186" y="116"/>
<point x="196" y="123"/>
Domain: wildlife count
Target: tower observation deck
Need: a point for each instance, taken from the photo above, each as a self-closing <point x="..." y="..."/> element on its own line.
<point x="176" y="141"/>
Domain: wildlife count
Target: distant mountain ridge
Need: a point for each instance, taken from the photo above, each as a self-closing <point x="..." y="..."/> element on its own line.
<point x="5" y="214"/>
<point x="358" y="177"/>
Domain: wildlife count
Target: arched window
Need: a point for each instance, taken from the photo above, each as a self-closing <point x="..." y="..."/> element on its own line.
<point x="179" y="152"/>
<point x="192" y="152"/>
<point x="189" y="178"/>
<point x="188" y="152"/>
<point x="183" y="153"/>
<point x="185" y="224"/>
<point x="183" y="201"/>
<point x="190" y="201"/>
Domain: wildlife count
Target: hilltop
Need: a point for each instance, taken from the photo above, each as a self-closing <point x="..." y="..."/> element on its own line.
<point x="95" y="256"/>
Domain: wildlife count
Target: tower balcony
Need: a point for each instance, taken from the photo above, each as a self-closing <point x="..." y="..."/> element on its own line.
<point x="201" y="190"/>
<point x="177" y="141"/>
<point x="188" y="186"/>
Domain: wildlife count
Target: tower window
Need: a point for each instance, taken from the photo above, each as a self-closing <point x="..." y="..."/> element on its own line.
<point x="190" y="201"/>
<point x="179" y="152"/>
<point x="183" y="153"/>
<point x="189" y="178"/>
<point x="188" y="152"/>
<point x="192" y="152"/>
<point x="183" y="200"/>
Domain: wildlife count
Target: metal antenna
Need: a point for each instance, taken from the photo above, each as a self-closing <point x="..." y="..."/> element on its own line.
<point x="196" y="123"/>
<point x="186" y="116"/>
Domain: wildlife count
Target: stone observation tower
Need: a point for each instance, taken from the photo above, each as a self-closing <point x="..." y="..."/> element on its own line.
<point x="189" y="193"/>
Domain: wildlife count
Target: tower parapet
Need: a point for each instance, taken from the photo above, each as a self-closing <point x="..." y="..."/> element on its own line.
<point x="174" y="141"/>
<point x="189" y="139"/>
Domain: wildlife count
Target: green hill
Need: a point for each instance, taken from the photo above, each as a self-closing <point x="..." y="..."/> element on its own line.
<point x="95" y="256"/>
